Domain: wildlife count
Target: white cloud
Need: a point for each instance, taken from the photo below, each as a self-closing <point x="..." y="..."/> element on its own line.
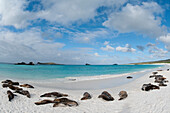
<point x="27" y="46"/>
<point x="12" y="13"/>
<point x="89" y="36"/>
<point x="96" y="54"/>
<point x="65" y="12"/>
<point x="106" y="42"/>
<point x="127" y="48"/>
<point x="155" y="51"/>
<point x="166" y="40"/>
<point x="142" y="19"/>
<point x="107" y="48"/>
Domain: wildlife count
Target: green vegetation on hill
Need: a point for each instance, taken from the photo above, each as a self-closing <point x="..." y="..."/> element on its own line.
<point x="153" y="62"/>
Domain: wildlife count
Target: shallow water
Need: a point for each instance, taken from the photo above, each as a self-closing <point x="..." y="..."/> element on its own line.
<point x="62" y="71"/>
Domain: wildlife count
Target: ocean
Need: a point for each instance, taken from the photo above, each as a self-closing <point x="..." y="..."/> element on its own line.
<point x="62" y="71"/>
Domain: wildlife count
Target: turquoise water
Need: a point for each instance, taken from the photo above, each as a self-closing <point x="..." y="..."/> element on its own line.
<point x="62" y="71"/>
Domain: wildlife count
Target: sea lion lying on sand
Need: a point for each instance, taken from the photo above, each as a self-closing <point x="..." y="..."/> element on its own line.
<point x="154" y="73"/>
<point x="162" y="84"/>
<point x="159" y="70"/>
<point x="64" y="101"/>
<point x="159" y="79"/>
<point x="11" y="87"/>
<point x="86" y="96"/>
<point x="10" y="82"/>
<point x="147" y="87"/>
<point x="129" y="77"/>
<point x="23" y="92"/>
<point x="10" y="95"/>
<point x="106" y="96"/>
<point x="46" y="101"/>
<point x="122" y="95"/>
<point x="53" y="94"/>
<point x="27" y="86"/>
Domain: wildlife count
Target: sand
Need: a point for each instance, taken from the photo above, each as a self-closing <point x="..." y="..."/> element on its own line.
<point x="138" y="101"/>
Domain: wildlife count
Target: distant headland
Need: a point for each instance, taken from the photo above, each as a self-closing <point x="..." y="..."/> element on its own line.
<point x="38" y="63"/>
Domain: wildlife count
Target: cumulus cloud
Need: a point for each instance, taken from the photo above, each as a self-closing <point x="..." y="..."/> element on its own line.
<point x="106" y="42"/>
<point x="127" y="48"/>
<point x="89" y="36"/>
<point x="155" y="51"/>
<point x="12" y="13"/>
<point x="142" y="19"/>
<point x="166" y="40"/>
<point x="141" y="48"/>
<point x="27" y="46"/>
<point x="96" y="54"/>
<point x="107" y="48"/>
<point x="64" y="12"/>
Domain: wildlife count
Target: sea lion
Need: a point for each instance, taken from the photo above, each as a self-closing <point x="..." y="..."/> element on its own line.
<point x="160" y="70"/>
<point x="64" y="101"/>
<point x="162" y="84"/>
<point x="10" y="95"/>
<point x="23" y="92"/>
<point x="10" y="82"/>
<point x="122" y="95"/>
<point x="53" y="94"/>
<point x="129" y="77"/>
<point x="159" y="79"/>
<point x="11" y="87"/>
<point x="106" y="96"/>
<point x="154" y="73"/>
<point x="27" y="86"/>
<point x="148" y="87"/>
<point x="44" y="102"/>
<point x="86" y="96"/>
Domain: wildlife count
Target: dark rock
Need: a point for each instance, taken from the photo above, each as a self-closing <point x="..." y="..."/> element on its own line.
<point x="53" y="94"/>
<point x="148" y="87"/>
<point x="123" y="95"/>
<point x="115" y="64"/>
<point x="86" y="96"/>
<point x="87" y="64"/>
<point x="106" y="96"/>
<point x="129" y="77"/>
<point x="64" y="101"/>
<point x="27" y="86"/>
<point x="46" y="101"/>
<point x="22" y="63"/>
<point x="167" y="69"/>
<point x="30" y="63"/>
<point x="23" y="92"/>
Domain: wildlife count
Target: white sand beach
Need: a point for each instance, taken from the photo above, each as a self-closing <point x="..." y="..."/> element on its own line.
<point x="138" y="101"/>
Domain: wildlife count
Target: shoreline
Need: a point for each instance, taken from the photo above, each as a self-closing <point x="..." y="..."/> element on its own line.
<point x="138" y="101"/>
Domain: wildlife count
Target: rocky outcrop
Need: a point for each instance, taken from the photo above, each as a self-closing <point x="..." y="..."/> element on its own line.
<point x="23" y="63"/>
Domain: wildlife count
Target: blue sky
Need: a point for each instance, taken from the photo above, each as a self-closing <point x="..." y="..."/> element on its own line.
<point x="81" y="31"/>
